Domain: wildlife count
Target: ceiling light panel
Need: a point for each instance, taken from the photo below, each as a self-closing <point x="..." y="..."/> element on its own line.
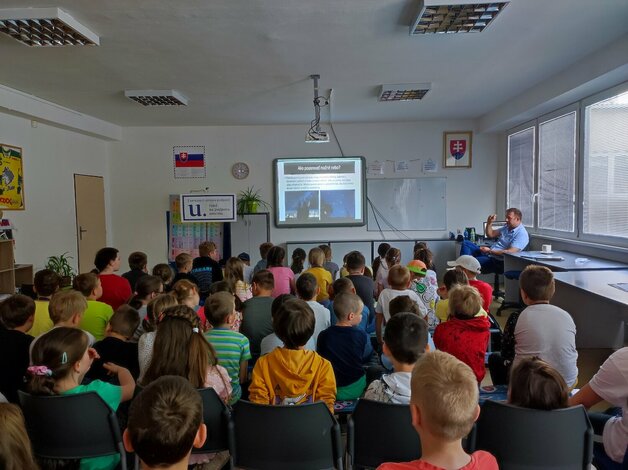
<point x="157" y="97"/>
<point x="455" y="18"/>
<point x="404" y="91"/>
<point x="45" y="27"/>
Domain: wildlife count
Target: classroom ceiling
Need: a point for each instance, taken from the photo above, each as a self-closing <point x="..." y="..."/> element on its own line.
<point x="243" y="62"/>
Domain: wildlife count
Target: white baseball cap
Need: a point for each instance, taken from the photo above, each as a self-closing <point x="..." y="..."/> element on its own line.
<point x="467" y="262"/>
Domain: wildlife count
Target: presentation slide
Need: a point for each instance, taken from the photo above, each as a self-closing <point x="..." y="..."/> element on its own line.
<point x="325" y="191"/>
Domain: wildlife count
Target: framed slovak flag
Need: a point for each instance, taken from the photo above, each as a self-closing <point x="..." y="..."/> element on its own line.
<point x="457" y="149"/>
<point x="189" y="161"/>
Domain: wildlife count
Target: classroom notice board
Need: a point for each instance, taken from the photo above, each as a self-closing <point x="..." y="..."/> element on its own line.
<point x="406" y="204"/>
<point x="185" y="237"/>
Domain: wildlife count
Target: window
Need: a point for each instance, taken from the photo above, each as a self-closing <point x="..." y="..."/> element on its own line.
<point x="521" y="173"/>
<point x="605" y="159"/>
<point x="557" y="173"/>
<point x="568" y="170"/>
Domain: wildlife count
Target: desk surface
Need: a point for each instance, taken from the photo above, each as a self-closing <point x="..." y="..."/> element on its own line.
<point x="569" y="261"/>
<point x="597" y="282"/>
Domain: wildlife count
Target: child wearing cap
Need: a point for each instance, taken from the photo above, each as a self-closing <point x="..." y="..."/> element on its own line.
<point x="426" y="291"/>
<point x="472" y="268"/>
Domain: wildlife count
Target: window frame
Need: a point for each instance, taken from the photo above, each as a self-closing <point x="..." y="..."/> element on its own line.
<point x="581" y="128"/>
<point x="588" y="237"/>
<point x="516" y="130"/>
<point x="573" y="108"/>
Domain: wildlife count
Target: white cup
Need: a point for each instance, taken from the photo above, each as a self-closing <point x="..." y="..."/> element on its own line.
<point x="546" y="248"/>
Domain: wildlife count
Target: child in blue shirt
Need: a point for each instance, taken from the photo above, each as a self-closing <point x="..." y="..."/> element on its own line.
<point x="347" y="347"/>
<point x="345" y="286"/>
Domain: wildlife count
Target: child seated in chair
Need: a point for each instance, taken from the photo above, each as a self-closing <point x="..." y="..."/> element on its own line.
<point x="535" y="384"/>
<point x="292" y="375"/>
<point x="347" y="347"/>
<point x="444" y="406"/>
<point x="165" y="423"/>
<point x="117" y="346"/>
<point x="465" y="335"/>
<point x="405" y="339"/>
<point x="61" y="358"/>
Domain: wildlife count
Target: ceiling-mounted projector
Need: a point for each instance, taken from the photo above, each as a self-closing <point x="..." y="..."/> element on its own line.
<point x="315" y="134"/>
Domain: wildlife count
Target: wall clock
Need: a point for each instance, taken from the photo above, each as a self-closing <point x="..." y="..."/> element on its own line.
<point x="240" y="170"/>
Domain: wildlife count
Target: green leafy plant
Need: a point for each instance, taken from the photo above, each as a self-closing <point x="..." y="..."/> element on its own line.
<point x="249" y="201"/>
<point x="61" y="265"/>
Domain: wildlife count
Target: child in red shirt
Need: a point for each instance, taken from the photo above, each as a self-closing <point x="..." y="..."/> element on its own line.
<point x="465" y="336"/>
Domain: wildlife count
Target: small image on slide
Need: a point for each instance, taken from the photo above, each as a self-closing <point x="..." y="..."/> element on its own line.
<point x="302" y="206"/>
<point x="338" y="204"/>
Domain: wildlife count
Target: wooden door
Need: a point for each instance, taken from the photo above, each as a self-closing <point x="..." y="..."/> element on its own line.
<point x="89" y="197"/>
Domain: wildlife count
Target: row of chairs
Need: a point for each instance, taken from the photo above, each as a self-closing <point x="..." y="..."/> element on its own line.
<point x="309" y="437"/>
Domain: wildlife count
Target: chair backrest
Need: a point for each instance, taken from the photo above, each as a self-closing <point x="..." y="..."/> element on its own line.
<point x="216" y="417"/>
<point x="522" y="438"/>
<point x="285" y="437"/>
<point x="71" y="426"/>
<point x="381" y="432"/>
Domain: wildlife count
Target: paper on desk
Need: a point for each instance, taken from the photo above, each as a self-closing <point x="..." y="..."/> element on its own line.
<point x="621" y="285"/>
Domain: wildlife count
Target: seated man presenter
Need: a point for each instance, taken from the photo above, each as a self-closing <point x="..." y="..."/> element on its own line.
<point x="511" y="238"/>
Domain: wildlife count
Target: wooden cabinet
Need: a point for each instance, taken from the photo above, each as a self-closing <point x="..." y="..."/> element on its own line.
<point x="12" y="275"/>
<point x="248" y="233"/>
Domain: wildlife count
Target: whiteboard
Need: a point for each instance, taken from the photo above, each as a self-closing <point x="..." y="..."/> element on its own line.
<point x="406" y="204"/>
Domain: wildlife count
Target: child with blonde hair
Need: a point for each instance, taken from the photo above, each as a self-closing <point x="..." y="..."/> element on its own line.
<point x="187" y="293"/>
<point x="316" y="258"/>
<point x="234" y="275"/>
<point x="444" y="406"/>
<point x="399" y="281"/>
<point x="98" y="313"/>
<point x="183" y="262"/>
<point x="465" y="335"/>
<point x="15" y="447"/>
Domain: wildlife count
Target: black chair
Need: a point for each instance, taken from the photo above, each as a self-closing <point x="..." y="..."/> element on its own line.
<point x="217" y="417"/>
<point x="285" y="437"/>
<point x="381" y="432"/>
<point x="69" y="427"/>
<point x="526" y="439"/>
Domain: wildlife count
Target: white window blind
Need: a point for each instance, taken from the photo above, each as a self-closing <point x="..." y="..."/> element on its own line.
<point x="605" y="210"/>
<point x="557" y="173"/>
<point x="521" y="173"/>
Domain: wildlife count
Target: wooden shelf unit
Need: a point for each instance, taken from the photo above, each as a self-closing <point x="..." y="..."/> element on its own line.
<point x="12" y="275"/>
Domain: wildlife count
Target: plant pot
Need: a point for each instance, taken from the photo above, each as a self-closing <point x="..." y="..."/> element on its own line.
<point x="251" y="207"/>
<point x="66" y="281"/>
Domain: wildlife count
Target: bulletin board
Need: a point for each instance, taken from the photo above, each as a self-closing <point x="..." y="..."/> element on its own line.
<point x="185" y="237"/>
<point x="406" y="204"/>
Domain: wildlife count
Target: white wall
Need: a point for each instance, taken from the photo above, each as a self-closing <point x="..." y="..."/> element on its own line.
<point x="142" y="173"/>
<point x="51" y="157"/>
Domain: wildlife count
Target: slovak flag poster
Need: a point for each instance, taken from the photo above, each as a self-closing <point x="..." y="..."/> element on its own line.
<point x="189" y="161"/>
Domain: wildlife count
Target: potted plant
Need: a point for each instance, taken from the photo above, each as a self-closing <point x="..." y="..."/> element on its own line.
<point x="61" y="265"/>
<point x="249" y="201"/>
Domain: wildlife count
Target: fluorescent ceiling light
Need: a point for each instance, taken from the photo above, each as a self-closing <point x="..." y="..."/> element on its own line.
<point x="45" y="27"/>
<point x="403" y="91"/>
<point x="460" y="17"/>
<point x="157" y="97"/>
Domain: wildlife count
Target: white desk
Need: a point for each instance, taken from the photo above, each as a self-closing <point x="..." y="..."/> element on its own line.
<point x="518" y="261"/>
<point x="598" y="309"/>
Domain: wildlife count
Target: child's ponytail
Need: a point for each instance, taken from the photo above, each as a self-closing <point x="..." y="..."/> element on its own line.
<point x="54" y="355"/>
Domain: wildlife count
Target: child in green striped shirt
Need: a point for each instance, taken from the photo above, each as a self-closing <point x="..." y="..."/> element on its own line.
<point x="232" y="347"/>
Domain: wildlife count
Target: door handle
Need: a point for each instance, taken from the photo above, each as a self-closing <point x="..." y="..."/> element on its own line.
<point x="81" y="232"/>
